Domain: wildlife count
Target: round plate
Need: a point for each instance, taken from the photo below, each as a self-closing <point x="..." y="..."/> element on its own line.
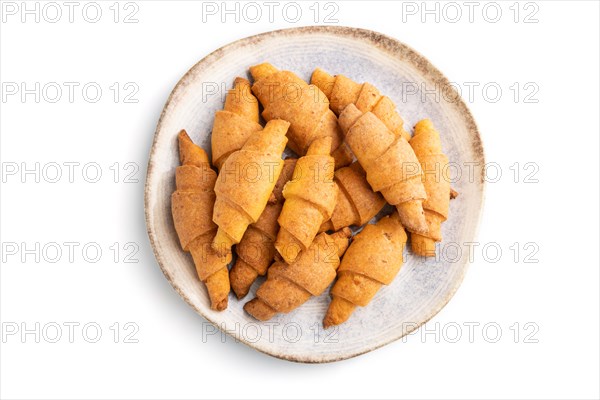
<point x="423" y="286"/>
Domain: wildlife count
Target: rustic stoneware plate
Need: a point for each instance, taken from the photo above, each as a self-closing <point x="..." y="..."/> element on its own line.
<point x="423" y="286"/>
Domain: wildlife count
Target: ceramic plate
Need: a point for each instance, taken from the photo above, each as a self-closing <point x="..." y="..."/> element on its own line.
<point x="423" y="286"/>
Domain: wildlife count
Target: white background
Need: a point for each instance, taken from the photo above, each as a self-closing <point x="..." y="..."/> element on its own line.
<point x="558" y="295"/>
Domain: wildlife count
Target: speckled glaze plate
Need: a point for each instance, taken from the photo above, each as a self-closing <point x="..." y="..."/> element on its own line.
<point x="423" y="286"/>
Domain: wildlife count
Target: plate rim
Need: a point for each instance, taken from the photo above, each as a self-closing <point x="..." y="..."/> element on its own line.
<point x="382" y="41"/>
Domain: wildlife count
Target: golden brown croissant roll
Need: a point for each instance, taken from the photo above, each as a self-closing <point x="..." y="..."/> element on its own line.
<point x="428" y="147"/>
<point x="289" y="286"/>
<point x="391" y="165"/>
<point x="284" y="95"/>
<point x="235" y="123"/>
<point x="372" y="260"/>
<point x="192" y="205"/>
<point x="245" y="183"/>
<point x="310" y="198"/>
<point x="357" y="203"/>
<point x="341" y="91"/>
<point x="256" y="250"/>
